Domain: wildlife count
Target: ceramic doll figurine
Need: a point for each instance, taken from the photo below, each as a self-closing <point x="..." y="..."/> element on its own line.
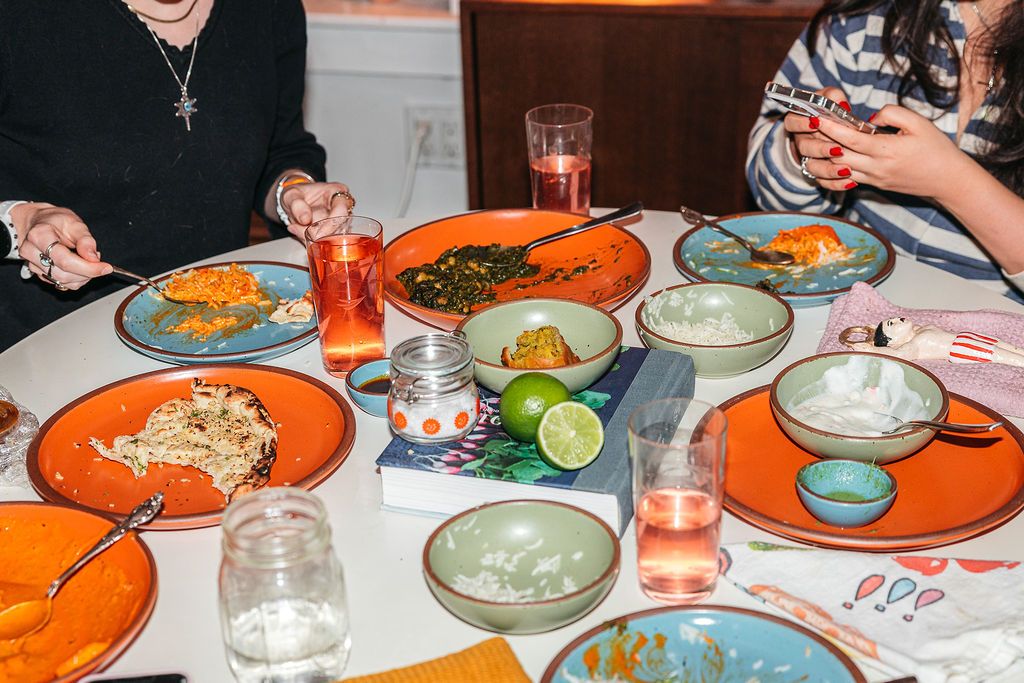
<point x="901" y="338"/>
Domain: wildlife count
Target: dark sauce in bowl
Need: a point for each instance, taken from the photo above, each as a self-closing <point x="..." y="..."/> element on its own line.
<point x="377" y="385"/>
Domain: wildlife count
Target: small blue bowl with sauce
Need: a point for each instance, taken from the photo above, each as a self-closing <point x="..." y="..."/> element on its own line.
<point x="368" y="385"/>
<point x="845" y="493"/>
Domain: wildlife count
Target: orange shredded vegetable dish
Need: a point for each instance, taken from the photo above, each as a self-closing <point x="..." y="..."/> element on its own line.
<point x="89" y="612"/>
<point x="216" y="287"/>
<point x="813" y="245"/>
<point x="203" y="329"/>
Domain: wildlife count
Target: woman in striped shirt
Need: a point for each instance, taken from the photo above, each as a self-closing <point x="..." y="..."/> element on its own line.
<point x="948" y="189"/>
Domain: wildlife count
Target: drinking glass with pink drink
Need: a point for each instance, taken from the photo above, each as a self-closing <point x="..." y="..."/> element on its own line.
<point x="346" y="267"/>
<point x="678" y="450"/>
<point x="559" y="137"/>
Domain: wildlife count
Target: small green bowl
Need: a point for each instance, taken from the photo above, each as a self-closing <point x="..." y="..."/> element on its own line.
<point x="593" y="334"/>
<point x="561" y="558"/>
<point x="798" y="381"/>
<point x="845" y="493"/>
<point x="766" y="316"/>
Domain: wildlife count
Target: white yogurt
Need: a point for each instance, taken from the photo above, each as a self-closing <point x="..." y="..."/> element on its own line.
<point x="844" y="401"/>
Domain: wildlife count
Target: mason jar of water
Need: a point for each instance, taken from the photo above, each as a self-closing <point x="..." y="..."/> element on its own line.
<point x="282" y="593"/>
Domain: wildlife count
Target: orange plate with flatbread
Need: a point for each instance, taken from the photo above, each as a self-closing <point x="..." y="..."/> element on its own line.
<point x="316" y="429"/>
<point x="957" y="486"/>
<point x="618" y="263"/>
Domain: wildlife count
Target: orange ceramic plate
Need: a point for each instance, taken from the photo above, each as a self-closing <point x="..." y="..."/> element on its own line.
<point x="104" y="606"/>
<point x="315" y="434"/>
<point x="956" y="487"/>
<point x="619" y="263"/>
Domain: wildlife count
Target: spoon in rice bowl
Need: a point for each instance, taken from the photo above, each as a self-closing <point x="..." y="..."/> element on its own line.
<point x="777" y="258"/>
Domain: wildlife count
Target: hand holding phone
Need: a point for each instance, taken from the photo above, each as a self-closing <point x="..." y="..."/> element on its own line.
<point x="807" y="103"/>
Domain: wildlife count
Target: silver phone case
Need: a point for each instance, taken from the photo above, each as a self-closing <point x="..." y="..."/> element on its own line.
<point x="809" y="103"/>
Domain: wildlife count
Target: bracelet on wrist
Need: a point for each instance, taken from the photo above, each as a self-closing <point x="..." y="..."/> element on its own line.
<point x="8" y="234"/>
<point x="286" y="181"/>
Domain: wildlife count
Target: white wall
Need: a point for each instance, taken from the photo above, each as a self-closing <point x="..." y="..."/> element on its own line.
<point x="364" y="70"/>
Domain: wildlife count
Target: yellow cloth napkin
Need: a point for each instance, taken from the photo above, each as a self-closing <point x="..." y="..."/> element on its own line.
<point x="492" y="661"/>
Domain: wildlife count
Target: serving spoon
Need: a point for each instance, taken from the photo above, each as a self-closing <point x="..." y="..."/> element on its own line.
<point x="633" y="209"/>
<point x="25" y="618"/>
<point x="958" y="427"/>
<point x="777" y="258"/>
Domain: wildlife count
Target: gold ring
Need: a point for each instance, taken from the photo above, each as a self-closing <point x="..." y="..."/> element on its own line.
<point x="60" y="286"/>
<point x="342" y="193"/>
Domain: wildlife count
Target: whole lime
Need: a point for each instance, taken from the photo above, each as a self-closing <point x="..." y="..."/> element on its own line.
<point x="524" y="401"/>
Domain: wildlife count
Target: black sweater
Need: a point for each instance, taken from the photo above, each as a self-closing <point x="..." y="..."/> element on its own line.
<point x="87" y="122"/>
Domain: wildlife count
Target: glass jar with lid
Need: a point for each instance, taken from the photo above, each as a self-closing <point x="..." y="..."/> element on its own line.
<point x="433" y="397"/>
<point x="282" y="593"/>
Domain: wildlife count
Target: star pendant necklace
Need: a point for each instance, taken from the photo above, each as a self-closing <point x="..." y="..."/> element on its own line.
<point x="185" y="106"/>
<point x="991" y="83"/>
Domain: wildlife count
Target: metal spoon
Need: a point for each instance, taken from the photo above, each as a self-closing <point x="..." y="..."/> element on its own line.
<point x="24" y="618"/>
<point x="959" y="427"/>
<point x="149" y="283"/>
<point x="633" y="209"/>
<point x="778" y="258"/>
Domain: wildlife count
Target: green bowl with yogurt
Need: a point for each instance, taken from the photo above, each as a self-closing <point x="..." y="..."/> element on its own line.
<point x="521" y="566"/>
<point x="727" y="328"/>
<point x="835" y="405"/>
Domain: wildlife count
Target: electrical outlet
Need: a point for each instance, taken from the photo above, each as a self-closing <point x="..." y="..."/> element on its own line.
<point x="443" y="144"/>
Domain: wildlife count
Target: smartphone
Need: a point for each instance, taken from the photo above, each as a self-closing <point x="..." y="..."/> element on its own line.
<point x="808" y="103"/>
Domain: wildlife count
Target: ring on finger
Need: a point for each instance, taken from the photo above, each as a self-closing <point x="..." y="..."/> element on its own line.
<point x="49" y="271"/>
<point x="45" y="259"/>
<point x="342" y="193"/>
<point x="804" y="172"/>
<point x="60" y="285"/>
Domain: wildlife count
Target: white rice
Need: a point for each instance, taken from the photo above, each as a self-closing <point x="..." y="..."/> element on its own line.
<point x="708" y="332"/>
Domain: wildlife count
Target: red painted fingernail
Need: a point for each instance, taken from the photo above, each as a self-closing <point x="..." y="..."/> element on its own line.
<point x="850" y="185"/>
<point x="836" y="151"/>
<point x="844" y="173"/>
<point x="872" y="117"/>
<point x="845" y="105"/>
<point x="813" y="122"/>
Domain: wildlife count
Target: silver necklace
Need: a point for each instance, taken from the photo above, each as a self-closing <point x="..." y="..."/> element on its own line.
<point x="991" y="83"/>
<point x="186" y="106"/>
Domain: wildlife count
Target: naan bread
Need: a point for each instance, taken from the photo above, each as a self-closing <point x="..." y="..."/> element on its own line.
<point x="224" y="431"/>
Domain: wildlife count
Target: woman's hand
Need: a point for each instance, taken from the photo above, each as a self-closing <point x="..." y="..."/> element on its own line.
<point x="57" y="246"/>
<point x="808" y="141"/>
<point x="306" y="203"/>
<point x="919" y="160"/>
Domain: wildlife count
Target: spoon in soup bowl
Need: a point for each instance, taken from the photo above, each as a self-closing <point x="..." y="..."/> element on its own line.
<point x="958" y="427"/>
<point x="28" y="616"/>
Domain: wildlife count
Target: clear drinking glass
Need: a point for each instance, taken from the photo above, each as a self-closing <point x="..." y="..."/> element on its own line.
<point x="678" y="450"/>
<point x="558" y="137"/>
<point x="282" y="593"/>
<point x="346" y="266"/>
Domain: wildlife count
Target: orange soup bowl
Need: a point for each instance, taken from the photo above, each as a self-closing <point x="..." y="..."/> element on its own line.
<point x="604" y="266"/>
<point x="98" y="612"/>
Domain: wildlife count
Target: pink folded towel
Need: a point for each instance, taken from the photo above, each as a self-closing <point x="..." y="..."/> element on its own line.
<point x="1000" y="387"/>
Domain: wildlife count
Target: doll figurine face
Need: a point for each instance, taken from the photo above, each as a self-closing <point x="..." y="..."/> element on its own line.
<point x="898" y="330"/>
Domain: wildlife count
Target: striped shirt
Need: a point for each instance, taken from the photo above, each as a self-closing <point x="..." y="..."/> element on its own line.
<point x="849" y="56"/>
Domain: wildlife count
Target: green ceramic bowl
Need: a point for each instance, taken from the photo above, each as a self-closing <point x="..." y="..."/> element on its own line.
<point x="593" y="334"/>
<point x="767" y="317"/>
<point x="845" y="493"/>
<point x="521" y="566"/>
<point x="803" y="380"/>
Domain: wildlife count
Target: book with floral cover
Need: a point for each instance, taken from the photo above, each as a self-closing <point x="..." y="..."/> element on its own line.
<point x="488" y="465"/>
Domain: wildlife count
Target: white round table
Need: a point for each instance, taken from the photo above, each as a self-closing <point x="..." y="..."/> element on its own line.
<point x="395" y="620"/>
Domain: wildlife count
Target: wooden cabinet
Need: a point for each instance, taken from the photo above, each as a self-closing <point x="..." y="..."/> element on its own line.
<point x="674" y="86"/>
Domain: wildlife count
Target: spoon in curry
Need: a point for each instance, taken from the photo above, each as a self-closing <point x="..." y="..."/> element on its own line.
<point x="634" y="209"/>
<point x="25" y="618"/>
<point x="777" y="258"/>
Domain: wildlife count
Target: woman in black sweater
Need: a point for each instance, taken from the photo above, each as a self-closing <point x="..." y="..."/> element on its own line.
<point x="146" y="131"/>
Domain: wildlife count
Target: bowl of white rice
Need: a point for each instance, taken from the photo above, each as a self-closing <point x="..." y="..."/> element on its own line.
<point x="727" y="328"/>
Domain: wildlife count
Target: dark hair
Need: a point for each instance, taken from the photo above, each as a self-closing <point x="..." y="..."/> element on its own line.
<point x="909" y="26"/>
<point x="880" y="338"/>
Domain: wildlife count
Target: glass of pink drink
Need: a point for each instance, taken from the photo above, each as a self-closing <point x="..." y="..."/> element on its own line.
<point x="559" y="137"/>
<point x="346" y="267"/>
<point x="677" y="446"/>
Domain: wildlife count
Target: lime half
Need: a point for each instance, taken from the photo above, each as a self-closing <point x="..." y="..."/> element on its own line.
<point x="570" y="436"/>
